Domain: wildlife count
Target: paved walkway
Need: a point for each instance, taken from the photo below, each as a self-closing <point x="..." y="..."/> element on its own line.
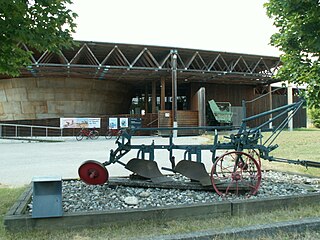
<point x="22" y="160"/>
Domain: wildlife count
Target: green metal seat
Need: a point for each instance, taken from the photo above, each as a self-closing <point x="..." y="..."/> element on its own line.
<point x="222" y="116"/>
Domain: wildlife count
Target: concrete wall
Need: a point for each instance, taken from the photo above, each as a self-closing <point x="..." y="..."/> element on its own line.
<point x="38" y="98"/>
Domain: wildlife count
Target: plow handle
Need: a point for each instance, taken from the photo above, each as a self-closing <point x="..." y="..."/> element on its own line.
<point x="306" y="163"/>
<point x="310" y="164"/>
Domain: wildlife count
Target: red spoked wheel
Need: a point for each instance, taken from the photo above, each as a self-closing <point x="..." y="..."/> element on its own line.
<point x="256" y="155"/>
<point x="236" y="172"/>
<point x="93" y="173"/>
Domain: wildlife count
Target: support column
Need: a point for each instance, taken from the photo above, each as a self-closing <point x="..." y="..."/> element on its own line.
<point x="270" y="104"/>
<point x="154" y="97"/>
<point x="163" y="94"/>
<point x="290" y="100"/>
<point x="146" y="98"/>
<point x="174" y="91"/>
<point x="202" y="106"/>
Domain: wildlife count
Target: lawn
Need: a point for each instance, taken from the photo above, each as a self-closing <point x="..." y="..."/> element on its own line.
<point x="293" y="145"/>
<point x="303" y="145"/>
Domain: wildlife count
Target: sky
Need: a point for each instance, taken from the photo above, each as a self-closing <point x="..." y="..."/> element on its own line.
<point x="239" y="26"/>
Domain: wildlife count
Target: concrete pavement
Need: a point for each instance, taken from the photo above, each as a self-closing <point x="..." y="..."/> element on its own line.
<point x="22" y="160"/>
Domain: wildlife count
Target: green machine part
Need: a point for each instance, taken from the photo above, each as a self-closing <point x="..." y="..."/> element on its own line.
<point x="222" y="116"/>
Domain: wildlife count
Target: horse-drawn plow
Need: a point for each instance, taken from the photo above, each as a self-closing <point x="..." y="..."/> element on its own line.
<point x="237" y="169"/>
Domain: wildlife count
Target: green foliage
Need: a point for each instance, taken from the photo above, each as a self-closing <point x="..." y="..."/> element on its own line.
<point x="299" y="40"/>
<point x="39" y="24"/>
<point x="315" y="117"/>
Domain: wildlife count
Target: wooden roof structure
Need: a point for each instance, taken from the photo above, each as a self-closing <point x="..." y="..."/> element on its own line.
<point x="140" y="63"/>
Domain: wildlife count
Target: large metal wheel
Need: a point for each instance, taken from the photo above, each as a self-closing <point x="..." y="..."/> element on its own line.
<point x="93" y="173"/>
<point x="236" y="172"/>
<point x="256" y="155"/>
<point x="79" y="136"/>
<point x="94" y="134"/>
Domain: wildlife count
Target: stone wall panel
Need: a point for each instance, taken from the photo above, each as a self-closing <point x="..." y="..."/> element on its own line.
<point x="39" y="94"/>
<point x="7" y="117"/>
<point x="46" y="115"/>
<point x="1" y="110"/>
<point x="82" y="107"/>
<point x="71" y="95"/>
<point x="60" y="107"/>
<point x="31" y="98"/>
<point x="3" y="97"/>
<point x="11" y="107"/>
<point x="6" y="83"/>
<point x="29" y="83"/>
<point x="99" y="86"/>
<point x="34" y="107"/>
<point x="51" y="83"/>
<point x="78" y="83"/>
<point x="16" y="94"/>
<point x="19" y="116"/>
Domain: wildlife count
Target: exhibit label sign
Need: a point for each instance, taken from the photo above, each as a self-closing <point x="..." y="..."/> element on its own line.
<point x="80" y="122"/>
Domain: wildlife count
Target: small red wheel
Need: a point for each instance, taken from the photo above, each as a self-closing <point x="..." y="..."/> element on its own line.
<point x="234" y="172"/>
<point x="93" y="173"/>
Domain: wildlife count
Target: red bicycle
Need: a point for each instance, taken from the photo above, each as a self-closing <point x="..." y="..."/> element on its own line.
<point x="92" y="134"/>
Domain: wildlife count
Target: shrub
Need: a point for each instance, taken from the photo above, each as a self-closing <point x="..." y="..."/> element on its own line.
<point x="315" y="117"/>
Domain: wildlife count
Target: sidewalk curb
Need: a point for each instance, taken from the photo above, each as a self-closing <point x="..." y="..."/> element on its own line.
<point x="250" y="232"/>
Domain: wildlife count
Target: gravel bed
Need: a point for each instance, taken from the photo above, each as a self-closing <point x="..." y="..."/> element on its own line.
<point x="78" y="196"/>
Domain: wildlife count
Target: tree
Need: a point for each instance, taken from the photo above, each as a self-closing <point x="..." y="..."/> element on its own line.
<point x="299" y="40"/>
<point x="40" y="24"/>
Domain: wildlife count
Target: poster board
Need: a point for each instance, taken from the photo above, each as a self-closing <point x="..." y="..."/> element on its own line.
<point x="113" y="123"/>
<point x="135" y="122"/>
<point x="124" y="122"/>
<point x="80" y="122"/>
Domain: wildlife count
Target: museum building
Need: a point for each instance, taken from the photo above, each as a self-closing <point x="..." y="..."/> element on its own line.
<point x="160" y="84"/>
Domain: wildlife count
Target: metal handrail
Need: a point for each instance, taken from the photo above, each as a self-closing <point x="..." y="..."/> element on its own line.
<point x="263" y="95"/>
<point x="21" y="125"/>
<point x="16" y="126"/>
<point x="152" y="121"/>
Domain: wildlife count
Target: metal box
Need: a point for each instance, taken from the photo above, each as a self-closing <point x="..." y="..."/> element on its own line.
<point x="47" y="197"/>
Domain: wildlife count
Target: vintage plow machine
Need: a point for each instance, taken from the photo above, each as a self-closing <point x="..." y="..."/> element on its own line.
<point x="237" y="169"/>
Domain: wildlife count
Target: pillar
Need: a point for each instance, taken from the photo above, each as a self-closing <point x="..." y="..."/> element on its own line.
<point x="163" y="94"/>
<point x="174" y="92"/>
<point x="146" y="98"/>
<point x="290" y="100"/>
<point x="270" y="104"/>
<point x="154" y="97"/>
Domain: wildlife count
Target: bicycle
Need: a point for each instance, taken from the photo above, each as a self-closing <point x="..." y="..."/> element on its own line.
<point x="113" y="132"/>
<point x="92" y="134"/>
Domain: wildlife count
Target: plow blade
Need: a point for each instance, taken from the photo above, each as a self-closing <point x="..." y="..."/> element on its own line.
<point x="147" y="169"/>
<point x="194" y="171"/>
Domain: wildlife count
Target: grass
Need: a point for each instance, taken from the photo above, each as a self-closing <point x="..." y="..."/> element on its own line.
<point x="294" y="145"/>
<point x="8" y="196"/>
<point x="303" y="145"/>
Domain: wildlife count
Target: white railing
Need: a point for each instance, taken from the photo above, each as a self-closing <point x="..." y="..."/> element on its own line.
<point x="28" y="131"/>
